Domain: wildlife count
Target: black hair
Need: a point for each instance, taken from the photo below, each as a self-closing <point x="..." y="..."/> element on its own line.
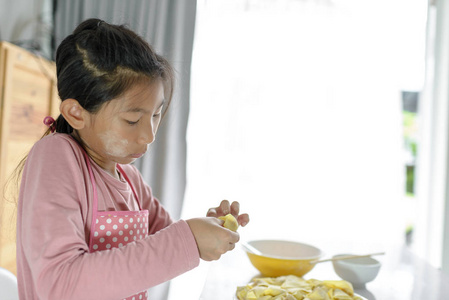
<point x="99" y="61"/>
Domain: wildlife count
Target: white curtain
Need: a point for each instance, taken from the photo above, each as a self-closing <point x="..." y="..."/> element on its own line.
<point x="296" y="113"/>
<point x="168" y="25"/>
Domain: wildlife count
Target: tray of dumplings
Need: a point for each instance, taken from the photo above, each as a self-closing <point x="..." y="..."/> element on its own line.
<point x="292" y="287"/>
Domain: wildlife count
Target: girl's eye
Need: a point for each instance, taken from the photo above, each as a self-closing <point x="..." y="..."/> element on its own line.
<point x="132" y="122"/>
<point x="157" y="115"/>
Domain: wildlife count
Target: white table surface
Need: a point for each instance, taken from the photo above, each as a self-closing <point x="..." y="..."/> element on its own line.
<point x="403" y="276"/>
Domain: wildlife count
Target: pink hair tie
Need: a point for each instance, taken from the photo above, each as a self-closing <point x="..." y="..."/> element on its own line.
<point x="51" y="123"/>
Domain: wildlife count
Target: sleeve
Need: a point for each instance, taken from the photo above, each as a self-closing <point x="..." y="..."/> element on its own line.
<point x="51" y="236"/>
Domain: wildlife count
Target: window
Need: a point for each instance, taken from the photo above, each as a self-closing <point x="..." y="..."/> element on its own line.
<point x="296" y="112"/>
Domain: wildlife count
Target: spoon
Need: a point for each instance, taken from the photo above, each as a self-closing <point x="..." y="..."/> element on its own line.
<point x="346" y="257"/>
<point x="253" y="250"/>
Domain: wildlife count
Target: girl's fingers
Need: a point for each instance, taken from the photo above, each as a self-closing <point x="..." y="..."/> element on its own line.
<point x="212" y="212"/>
<point x="243" y="219"/>
<point x="225" y="207"/>
<point x="231" y="246"/>
<point x="235" y="208"/>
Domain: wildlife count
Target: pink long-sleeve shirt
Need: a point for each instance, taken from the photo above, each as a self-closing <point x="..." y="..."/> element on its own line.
<point x="53" y="227"/>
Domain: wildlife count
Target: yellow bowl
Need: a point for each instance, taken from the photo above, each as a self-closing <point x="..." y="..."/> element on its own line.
<point x="283" y="257"/>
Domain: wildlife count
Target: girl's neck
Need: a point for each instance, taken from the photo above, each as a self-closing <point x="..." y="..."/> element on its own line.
<point x="110" y="167"/>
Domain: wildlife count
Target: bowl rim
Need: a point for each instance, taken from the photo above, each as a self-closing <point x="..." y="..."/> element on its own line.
<point x="347" y="262"/>
<point x="313" y="257"/>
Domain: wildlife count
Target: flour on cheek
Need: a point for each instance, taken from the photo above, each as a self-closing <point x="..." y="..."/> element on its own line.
<point x="114" y="145"/>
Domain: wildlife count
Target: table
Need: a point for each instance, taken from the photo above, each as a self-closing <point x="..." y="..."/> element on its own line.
<point x="403" y="276"/>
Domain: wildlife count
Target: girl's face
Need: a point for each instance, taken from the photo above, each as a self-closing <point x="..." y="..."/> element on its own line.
<point x="122" y="129"/>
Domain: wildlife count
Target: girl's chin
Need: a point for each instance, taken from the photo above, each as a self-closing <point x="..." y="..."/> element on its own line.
<point x="125" y="160"/>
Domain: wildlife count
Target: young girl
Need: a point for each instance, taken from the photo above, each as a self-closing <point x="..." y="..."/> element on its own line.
<point x="88" y="226"/>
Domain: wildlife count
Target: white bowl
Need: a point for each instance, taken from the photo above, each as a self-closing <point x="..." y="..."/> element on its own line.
<point x="357" y="271"/>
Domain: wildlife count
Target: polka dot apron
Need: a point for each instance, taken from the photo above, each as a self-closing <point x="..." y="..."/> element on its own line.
<point x="114" y="229"/>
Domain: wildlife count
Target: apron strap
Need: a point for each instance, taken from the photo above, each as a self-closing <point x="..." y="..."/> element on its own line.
<point x="95" y="203"/>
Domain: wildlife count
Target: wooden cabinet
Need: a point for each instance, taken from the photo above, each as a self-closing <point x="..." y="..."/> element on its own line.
<point x="28" y="95"/>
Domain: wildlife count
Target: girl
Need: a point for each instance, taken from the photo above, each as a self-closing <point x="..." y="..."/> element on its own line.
<point x="88" y="226"/>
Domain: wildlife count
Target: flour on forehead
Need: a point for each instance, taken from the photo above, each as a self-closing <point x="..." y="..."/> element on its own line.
<point x="114" y="144"/>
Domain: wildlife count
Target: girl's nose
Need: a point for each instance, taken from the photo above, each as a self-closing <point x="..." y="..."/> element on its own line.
<point x="147" y="135"/>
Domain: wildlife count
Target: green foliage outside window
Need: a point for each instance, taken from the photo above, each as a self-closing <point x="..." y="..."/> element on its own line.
<point x="410" y="144"/>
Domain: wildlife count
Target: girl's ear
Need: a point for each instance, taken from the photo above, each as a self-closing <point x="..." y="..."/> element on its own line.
<point x="74" y="113"/>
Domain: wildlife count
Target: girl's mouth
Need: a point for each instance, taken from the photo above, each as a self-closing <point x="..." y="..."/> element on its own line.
<point x="137" y="155"/>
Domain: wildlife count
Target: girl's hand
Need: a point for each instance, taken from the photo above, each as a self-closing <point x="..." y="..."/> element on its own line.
<point x="212" y="239"/>
<point x="226" y="208"/>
